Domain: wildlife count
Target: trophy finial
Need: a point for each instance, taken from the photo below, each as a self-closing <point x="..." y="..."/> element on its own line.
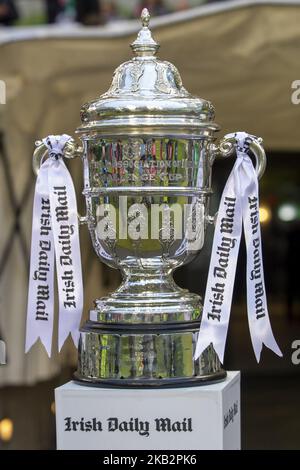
<point x="145" y="17"/>
<point x="144" y="43"/>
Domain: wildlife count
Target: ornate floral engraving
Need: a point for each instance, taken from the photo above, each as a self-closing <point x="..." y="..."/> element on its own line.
<point x="116" y="81"/>
<point x="136" y="72"/>
<point x="161" y="83"/>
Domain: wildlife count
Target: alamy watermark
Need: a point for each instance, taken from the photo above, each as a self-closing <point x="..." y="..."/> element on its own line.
<point x="2" y="353"/>
<point x="142" y="221"/>
<point x="295" y="96"/>
<point x="296" y="352"/>
<point x="2" y="92"/>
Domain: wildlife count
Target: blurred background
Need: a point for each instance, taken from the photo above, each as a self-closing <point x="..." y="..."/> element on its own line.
<point x="241" y="55"/>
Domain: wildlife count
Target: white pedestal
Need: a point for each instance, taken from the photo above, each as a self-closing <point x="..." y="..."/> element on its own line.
<point x="194" y="418"/>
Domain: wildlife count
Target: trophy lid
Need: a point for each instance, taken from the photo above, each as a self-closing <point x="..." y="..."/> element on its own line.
<point x="147" y="97"/>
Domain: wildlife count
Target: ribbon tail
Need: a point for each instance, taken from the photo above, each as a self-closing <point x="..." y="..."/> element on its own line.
<point x="68" y="261"/>
<point x="258" y="316"/>
<point x="211" y="334"/>
<point x="66" y="327"/>
<point x="222" y="268"/>
<point x="266" y="338"/>
<point x="40" y="306"/>
<point x="45" y="340"/>
<point x="62" y="337"/>
<point x="205" y="340"/>
<point x="219" y="350"/>
<point x="271" y="343"/>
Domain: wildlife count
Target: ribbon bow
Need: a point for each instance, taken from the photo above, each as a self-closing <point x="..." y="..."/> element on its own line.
<point x="239" y="207"/>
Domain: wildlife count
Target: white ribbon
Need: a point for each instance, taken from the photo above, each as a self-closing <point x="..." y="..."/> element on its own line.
<point x="54" y="235"/>
<point x="239" y="207"/>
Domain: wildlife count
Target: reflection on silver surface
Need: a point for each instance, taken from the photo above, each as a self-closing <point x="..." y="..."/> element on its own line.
<point x="147" y="162"/>
<point x="152" y="358"/>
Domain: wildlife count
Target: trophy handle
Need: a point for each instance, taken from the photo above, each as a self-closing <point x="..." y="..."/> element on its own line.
<point x="71" y="150"/>
<point x="226" y="149"/>
<point x="227" y="146"/>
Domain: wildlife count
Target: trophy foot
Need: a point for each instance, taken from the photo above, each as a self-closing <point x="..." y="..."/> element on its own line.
<point x="141" y="356"/>
<point x="151" y="383"/>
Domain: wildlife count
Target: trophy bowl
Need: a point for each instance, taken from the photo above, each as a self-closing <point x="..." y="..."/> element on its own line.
<point x="147" y="204"/>
<point x="147" y="150"/>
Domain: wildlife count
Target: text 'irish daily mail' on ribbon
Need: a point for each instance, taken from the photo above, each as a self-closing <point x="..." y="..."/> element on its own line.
<point x="239" y="207"/>
<point x="55" y="238"/>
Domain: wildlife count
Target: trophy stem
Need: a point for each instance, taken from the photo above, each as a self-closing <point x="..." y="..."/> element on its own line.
<point x="147" y="296"/>
<point x="147" y="282"/>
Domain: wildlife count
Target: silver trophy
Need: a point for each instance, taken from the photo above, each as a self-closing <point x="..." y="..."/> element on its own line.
<point x="147" y="150"/>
